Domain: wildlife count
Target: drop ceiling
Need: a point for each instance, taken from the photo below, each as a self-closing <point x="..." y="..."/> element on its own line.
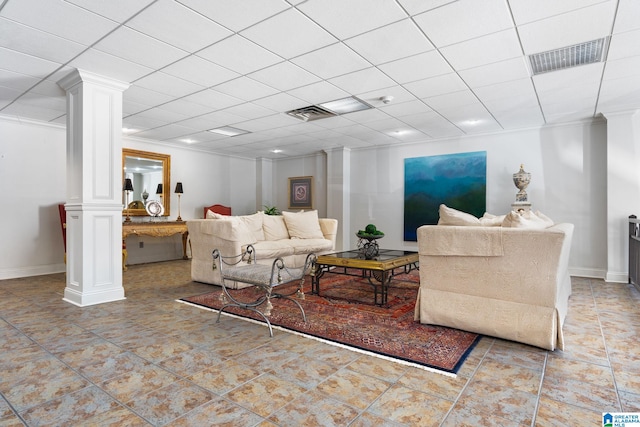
<point x="453" y="68"/>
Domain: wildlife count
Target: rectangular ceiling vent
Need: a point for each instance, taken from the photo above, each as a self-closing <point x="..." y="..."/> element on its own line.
<point x="310" y="113"/>
<point x="570" y="56"/>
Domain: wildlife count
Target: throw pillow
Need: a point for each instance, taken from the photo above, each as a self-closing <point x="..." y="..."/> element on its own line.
<point x="450" y="216"/>
<point x="490" y="220"/>
<point x="254" y="224"/>
<point x="213" y="215"/>
<point x="524" y="220"/>
<point x="303" y="225"/>
<point x="545" y="218"/>
<point x="274" y="227"/>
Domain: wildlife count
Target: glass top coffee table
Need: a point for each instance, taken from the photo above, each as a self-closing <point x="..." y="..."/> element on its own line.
<point x="378" y="270"/>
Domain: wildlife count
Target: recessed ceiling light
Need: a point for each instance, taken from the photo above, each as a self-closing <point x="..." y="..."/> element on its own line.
<point x="276" y="151"/>
<point x="129" y="130"/>
<point x="188" y="141"/>
<point x="228" y="131"/>
<point x="345" y="105"/>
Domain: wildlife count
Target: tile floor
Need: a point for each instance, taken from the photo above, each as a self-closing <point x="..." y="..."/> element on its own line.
<point x="149" y="360"/>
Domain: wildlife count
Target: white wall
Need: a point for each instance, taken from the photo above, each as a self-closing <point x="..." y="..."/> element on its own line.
<point x="568" y="167"/>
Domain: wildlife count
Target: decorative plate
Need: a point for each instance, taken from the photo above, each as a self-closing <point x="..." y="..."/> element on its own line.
<point x="154" y="208"/>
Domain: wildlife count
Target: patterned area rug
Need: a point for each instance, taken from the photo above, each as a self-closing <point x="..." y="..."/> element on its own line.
<point x="345" y="315"/>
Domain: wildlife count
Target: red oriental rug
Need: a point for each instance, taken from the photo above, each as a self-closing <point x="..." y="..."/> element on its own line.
<point x="344" y="314"/>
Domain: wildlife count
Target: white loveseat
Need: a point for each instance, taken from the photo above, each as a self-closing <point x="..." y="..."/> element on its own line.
<point x="509" y="280"/>
<point x="290" y="236"/>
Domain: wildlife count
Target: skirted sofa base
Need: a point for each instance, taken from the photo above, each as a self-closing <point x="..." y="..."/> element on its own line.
<point x="510" y="283"/>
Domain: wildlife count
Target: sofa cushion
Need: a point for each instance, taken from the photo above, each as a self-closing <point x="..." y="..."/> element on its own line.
<point x="526" y="220"/>
<point x="450" y="216"/>
<point x="267" y="249"/>
<point x="303" y="225"/>
<point x="254" y="223"/>
<point x="490" y="220"/>
<point x="307" y="246"/>
<point x="274" y="227"/>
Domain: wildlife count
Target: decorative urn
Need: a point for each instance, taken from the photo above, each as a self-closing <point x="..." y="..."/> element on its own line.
<point x="521" y="179"/>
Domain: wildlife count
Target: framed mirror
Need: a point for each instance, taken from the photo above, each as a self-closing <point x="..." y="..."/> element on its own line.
<point x="146" y="170"/>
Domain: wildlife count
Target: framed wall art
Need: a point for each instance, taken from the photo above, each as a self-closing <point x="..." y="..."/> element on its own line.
<point x="457" y="180"/>
<point x="301" y="192"/>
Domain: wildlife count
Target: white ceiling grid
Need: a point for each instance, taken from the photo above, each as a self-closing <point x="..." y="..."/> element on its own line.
<point x="452" y="67"/>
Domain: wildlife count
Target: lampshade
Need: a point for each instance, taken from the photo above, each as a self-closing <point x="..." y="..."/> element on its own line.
<point x="179" y="188"/>
<point x="159" y="189"/>
<point x="128" y="185"/>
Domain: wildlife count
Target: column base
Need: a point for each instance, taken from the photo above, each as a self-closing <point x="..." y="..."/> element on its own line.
<point x="85" y="299"/>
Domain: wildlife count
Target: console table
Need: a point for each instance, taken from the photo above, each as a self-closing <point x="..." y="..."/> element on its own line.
<point x="154" y="229"/>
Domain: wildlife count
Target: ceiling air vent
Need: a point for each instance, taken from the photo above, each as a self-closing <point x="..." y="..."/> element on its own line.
<point x="570" y="56"/>
<point x="308" y="114"/>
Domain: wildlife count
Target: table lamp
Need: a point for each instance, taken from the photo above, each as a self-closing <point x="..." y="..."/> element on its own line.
<point x="179" y="192"/>
<point x="127" y="188"/>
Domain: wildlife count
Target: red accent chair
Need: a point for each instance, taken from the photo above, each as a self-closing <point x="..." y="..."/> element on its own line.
<point x="219" y="209"/>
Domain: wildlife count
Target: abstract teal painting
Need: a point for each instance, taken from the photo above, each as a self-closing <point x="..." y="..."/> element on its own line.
<point x="457" y="180"/>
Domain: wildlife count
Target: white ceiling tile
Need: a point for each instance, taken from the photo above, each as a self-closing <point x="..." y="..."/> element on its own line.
<point x="526" y="11"/>
<point x="452" y="100"/>
<point x="503" y="71"/>
<point x="394" y="41"/>
<point x="164" y="83"/>
<point x="626" y="67"/>
<point x="279" y="102"/>
<point x="398" y="93"/>
<point x="212" y="120"/>
<point x="406" y="108"/>
<point x="627" y="16"/>
<point x="245" y="88"/>
<point x="319" y="92"/>
<point x="331" y="61"/>
<point x="560" y="80"/>
<point x="418" y="67"/>
<point x="139" y="48"/>
<point x="165" y="132"/>
<point x="178" y="26"/>
<point x="25" y="64"/>
<point x="558" y="31"/>
<point x="118" y="10"/>
<point x="33" y="112"/>
<point x="464" y="20"/>
<point x="519" y="117"/>
<point x="270" y="122"/>
<point x="17" y="81"/>
<point x="483" y="50"/>
<point x="198" y="70"/>
<point x="363" y="81"/>
<point x="37" y="43"/>
<point x="213" y="99"/>
<point x="438" y="85"/>
<point x="54" y="17"/>
<point x="347" y="19"/>
<point x="367" y="116"/>
<point x="284" y="76"/>
<point x="522" y="88"/>
<point x="289" y="34"/>
<point x="141" y="123"/>
<point x="102" y="63"/>
<point x="249" y="110"/>
<point x="145" y="96"/>
<point x="624" y="45"/>
<point x="237" y="15"/>
<point x="164" y="115"/>
<point x="239" y="54"/>
<point x="50" y="89"/>
<point x="185" y="107"/>
<point x="418" y="6"/>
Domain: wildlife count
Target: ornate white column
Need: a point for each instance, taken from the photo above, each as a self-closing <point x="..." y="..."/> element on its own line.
<point x="94" y="188"/>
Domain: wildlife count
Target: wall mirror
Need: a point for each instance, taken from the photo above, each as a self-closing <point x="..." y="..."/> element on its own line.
<point x="146" y="170"/>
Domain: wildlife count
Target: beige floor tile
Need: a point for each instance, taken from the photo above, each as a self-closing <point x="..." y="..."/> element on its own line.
<point x="265" y="395"/>
<point x="411" y="407"/>
<point x="354" y="388"/>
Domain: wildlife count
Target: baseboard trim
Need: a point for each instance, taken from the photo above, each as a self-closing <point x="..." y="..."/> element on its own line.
<point x="38" y="270"/>
<point x="592" y="273"/>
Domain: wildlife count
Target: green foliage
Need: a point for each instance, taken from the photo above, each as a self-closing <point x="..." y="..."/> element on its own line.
<point x="371" y="230"/>
<point x="271" y="210"/>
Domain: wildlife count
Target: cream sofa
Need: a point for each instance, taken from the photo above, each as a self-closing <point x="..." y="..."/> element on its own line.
<point x="290" y="236"/>
<point x="506" y="282"/>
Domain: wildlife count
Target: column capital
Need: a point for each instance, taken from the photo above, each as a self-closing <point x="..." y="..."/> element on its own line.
<point x="78" y="76"/>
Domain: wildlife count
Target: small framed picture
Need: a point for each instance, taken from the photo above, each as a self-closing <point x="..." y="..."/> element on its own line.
<point x="301" y="192"/>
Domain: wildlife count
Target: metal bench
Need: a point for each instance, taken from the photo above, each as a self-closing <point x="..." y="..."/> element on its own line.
<point x="244" y="268"/>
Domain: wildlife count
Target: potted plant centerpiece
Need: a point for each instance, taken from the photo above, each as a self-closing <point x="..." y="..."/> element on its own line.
<point x="367" y="244"/>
